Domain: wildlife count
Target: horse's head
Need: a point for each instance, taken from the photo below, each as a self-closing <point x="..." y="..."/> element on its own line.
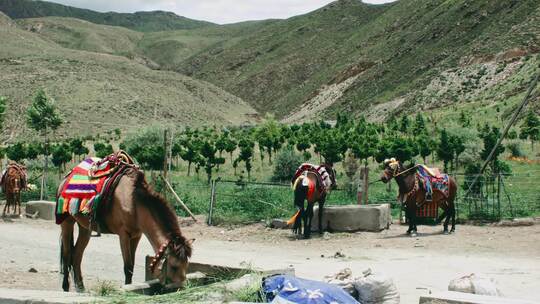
<point x="391" y="168"/>
<point x="171" y="266"/>
<point x="332" y="172"/>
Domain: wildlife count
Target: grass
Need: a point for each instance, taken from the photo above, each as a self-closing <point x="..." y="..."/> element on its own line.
<point x="213" y="291"/>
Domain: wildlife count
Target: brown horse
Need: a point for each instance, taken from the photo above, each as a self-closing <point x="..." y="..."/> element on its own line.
<point x="134" y="209"/>
<point x="412" y="195"/>
<point x="13" y="182"/>
<point x="301" y="186"/>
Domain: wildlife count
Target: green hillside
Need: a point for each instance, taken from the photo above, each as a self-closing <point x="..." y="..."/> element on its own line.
<point x="139" y="21"/>
<point x="350" y="55"/>
<point x="83" y="35"/>
<point x="97" y="92"/>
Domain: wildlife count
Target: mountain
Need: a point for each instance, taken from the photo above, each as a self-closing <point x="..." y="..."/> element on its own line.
<point x="350" y="56"/>
<point x="372" y="60"/>
<point x="96" y="92"/>
<point x="139" y="21"/>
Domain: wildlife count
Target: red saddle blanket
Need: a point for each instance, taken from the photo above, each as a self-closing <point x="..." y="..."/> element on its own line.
<point x="81" y="191"/>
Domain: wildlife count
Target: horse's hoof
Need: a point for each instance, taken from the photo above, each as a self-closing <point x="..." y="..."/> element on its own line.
<point x="446" y="232"/>
<point x="414" y="234"/>
<point x="452" y="231"/>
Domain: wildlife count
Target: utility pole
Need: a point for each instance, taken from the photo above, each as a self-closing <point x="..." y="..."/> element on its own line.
<point x="506" y="129"/>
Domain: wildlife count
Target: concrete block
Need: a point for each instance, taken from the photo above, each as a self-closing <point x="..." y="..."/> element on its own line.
<point x="45" y="209"/>
<point x="451" y="297"/>
<point x="350" y="218"/>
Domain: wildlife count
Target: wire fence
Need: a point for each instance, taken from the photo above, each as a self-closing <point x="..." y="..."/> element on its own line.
<point x="494" y="198"/>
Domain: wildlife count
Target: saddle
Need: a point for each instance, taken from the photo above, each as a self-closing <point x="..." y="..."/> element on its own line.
<point x="431" y="179"/>
<point x="22" y="171"/>
<point x="88" y="188"/>
<point x="323" y="177"/>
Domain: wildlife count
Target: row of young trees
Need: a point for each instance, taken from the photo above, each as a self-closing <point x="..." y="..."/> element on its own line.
<point x="404" y="138"/>
<point x="206" y="148"/>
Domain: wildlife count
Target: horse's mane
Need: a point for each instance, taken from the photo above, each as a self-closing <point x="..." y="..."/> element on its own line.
<point x="161" y="210"/>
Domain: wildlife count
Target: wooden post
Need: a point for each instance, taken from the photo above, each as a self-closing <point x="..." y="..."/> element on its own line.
<point x="166" y="154"/>
<point x="178" y="199"/>
<point x="366" y="185"/>
<point x="361" y="186"/>
<point x="212" y="201"/>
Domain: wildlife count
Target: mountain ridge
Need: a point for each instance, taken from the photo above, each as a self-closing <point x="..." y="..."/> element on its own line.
<point x="147" y="21"/>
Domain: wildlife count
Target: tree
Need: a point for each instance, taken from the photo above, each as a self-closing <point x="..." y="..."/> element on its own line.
<point x="404" y="124"/>
<point x="208" y="153"/>
<point x="419" y="126"/>
<point x="146" y="147"/>
<point x="490" y="138"/>
<point x="445" y="150"/>
<point x="61" y="154"/>
<point x="530" y="129"/>
<point x="16" y="152"/>
<point x="425" y="145"/>
<point x="287" y="161"/>
<point x="78" y="148"/>
<point x="43" y="117"/>
<point x="268" y="137"/>
<point x="190" y="152"/>
<point x="464" y="119"/>
<point x="33" y="150"/>
<point x="103" y="149"/>
<point x="332" y="145"/>
<point x="246" y="153"/>
<point x="458" y="146"/>
<point x="364" y="142"/>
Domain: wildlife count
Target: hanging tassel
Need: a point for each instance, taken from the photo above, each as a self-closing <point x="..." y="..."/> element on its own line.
<point x="293" y="218"/>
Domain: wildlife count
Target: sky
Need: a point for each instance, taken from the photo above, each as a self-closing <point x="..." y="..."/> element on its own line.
<point x="217" y="11"/>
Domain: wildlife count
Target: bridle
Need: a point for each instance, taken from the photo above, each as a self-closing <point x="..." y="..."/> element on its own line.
<point x="395" y="166"/>
<point x="162" y="254"/>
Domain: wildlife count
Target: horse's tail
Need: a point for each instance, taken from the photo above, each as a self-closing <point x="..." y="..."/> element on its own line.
<point x="300" y="194"/>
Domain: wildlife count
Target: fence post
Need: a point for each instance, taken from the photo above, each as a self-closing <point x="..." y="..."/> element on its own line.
<point x="166" y="154"/>
<point x="212" y="199"/>
<point x="366" y="185"/>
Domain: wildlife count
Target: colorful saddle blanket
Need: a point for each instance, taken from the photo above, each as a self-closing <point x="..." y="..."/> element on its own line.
<point x="320" y="171"/>
<point x="81" y="192"/>
<point x="432" y="179"/>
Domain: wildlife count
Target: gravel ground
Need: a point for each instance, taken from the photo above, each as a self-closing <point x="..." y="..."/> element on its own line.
<point x="510" y="255"/>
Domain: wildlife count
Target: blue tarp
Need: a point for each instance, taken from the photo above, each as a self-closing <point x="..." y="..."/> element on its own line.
<point x="285" y="289"/>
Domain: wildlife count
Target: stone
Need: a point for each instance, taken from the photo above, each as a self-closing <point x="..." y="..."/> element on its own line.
<point x="245" y="281"/>
<point x="452" y="297"/>
<point x="474" y="284"/>
<point x="45" y="209"/>
<point x="352" y="218"/>
<point x="279" y="224"/>
<point x="33" y="270"/>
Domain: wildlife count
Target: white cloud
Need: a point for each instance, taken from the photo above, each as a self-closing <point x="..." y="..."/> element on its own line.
<point x="219" y="11"/>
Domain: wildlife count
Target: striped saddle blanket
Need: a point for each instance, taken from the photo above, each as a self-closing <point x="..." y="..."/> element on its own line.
<point x="82" y="191"/>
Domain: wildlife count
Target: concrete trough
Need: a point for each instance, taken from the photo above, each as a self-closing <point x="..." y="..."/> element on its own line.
<point x="45" y="209"/>
<point x="351" y="218"/>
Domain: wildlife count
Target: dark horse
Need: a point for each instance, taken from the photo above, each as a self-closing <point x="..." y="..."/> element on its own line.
<point x="135" y="209"/>
<point x="301" y="187"/>
<point x="13" y="182"/>
<point x="412" y="195"/>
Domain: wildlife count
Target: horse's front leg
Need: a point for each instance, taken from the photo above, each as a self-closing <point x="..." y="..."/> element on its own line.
<point x="80" y="246"/>
<point x="133" y="242"/>
<point x="125" y="246"/>
<point x="308" y="217"/>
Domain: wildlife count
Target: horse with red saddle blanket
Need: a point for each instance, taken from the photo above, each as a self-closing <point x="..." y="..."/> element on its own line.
<point x="111" y="195"/>
<point x="312" y="184"/>
<point x="419" y="184"/>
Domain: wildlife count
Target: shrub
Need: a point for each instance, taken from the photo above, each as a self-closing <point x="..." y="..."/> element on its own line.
<point x="287" y="161"/>
<point x="515" y="149"/>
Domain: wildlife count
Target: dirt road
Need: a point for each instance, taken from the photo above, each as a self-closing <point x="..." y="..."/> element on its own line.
<point x="511" y="255"/>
